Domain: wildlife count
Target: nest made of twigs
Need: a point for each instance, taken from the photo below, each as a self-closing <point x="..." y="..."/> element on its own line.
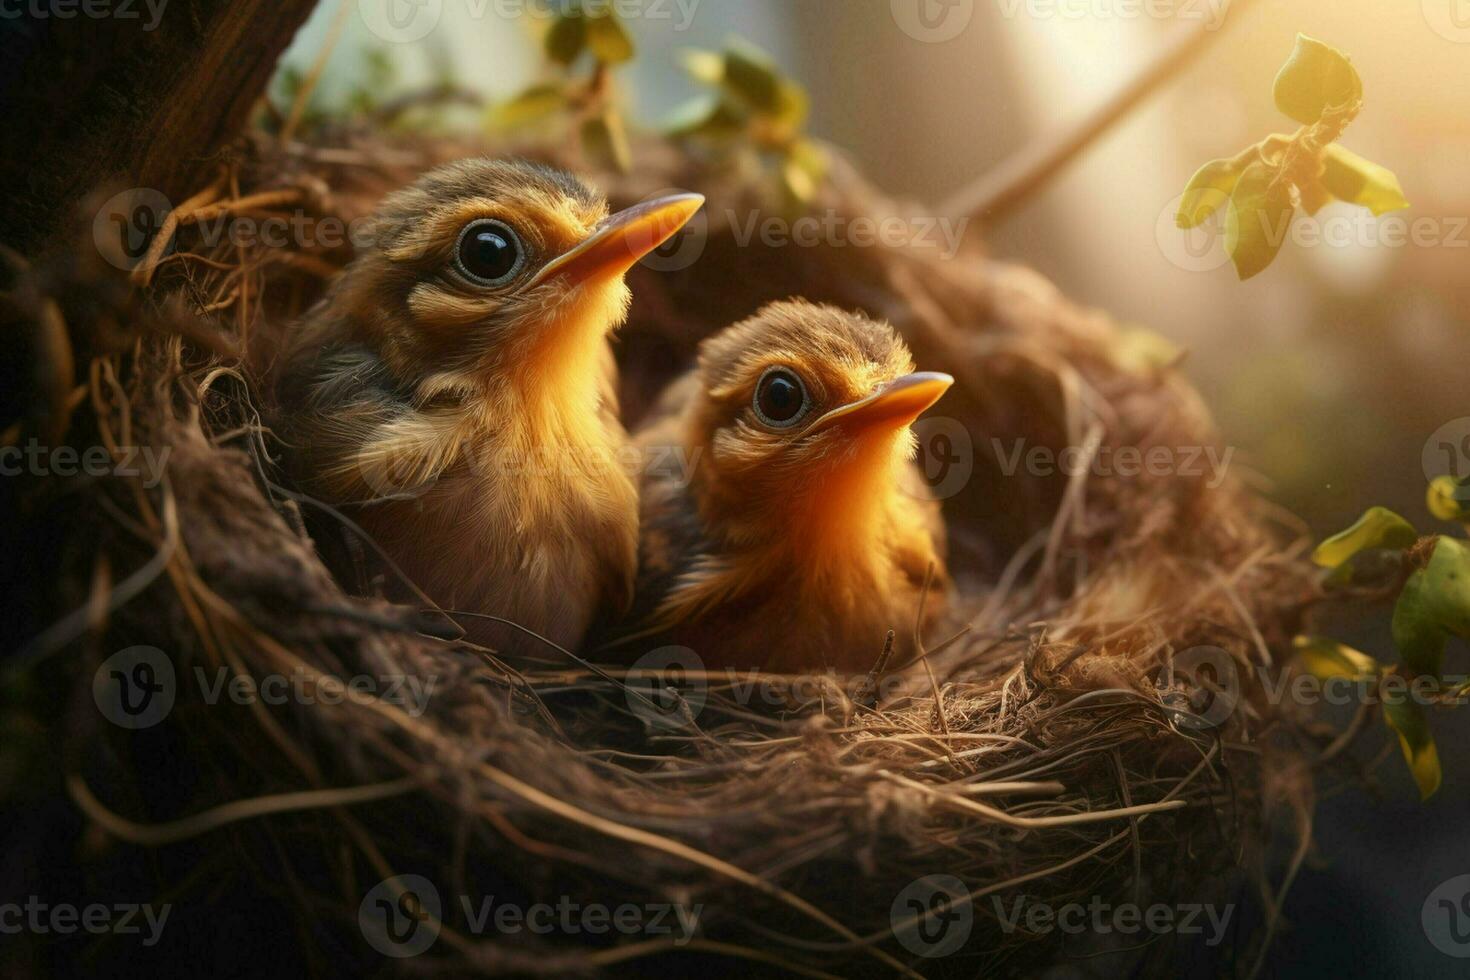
<point x="1031" y="753"/>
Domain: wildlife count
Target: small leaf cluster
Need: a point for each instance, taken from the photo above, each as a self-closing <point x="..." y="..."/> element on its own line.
<point x="1263" y="186"/>
<point x="579" y="36"/>
<point x="751" y="106"/>
<point x="1433" y="607"/>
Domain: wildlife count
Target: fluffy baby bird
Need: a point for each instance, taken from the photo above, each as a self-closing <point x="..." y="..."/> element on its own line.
<point x="792" y="534"/>
<point x="454" y="391"/>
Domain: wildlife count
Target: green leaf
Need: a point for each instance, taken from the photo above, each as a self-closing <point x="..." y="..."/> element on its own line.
<point x="567" y="38"/>
<point x="1417" y="633"/>
<point x="1257" y="222"/>
<point x="1408" y="721"/>
<point x="1378" y="528"/>
<point x="1359" y="181"/>
<point x="1327" y="659"/>
<point x="609" y="40"/>
<point x="751" y="76"/>
<point x="709" y="117"/>
<point x="1449" y="499"/>
<point x="1316" y="78"/>
<point x="532" y="105"/>
<point x="1447" y="578"/>
<point x="793" y="106"/>
<point x="1208" y="191"/>
<point x="704" y="66"/>
<point x="797" y="183"/>
<point x="1143" y="351"/>
<point x="605" y="142"/>
<point x="811" y="158"/>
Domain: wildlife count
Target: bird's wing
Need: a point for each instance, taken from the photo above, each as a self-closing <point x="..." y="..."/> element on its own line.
<point x="353" y="433"/>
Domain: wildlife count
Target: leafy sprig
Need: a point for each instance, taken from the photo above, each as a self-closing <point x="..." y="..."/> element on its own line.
<point x="1264" y="184"/>
<point x="1433" y="606"/>
<point x="579" y="37"/>
<point x="752" y="107"/>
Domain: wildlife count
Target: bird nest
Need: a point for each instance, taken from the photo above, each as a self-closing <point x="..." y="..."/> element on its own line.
<point x="1055" y="744"/>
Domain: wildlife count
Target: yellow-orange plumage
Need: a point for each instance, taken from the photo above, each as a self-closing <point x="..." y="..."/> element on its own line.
<point x="455" y="392"/>
<point x="789" y="543"/>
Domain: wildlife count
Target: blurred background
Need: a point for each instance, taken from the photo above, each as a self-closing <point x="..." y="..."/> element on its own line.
<point x="1338" y="374"/>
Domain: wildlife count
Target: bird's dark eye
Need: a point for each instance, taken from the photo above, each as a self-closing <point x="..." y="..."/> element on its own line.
<point x="489" y="253"/>
<point x="781" y="399"/>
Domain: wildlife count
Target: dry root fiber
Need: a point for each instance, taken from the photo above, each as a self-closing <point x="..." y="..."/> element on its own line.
<point x="1035" y="751"/>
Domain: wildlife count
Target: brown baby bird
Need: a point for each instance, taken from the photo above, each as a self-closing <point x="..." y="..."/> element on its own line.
<point x="454" y="392"/>
<point x="786" y="529"/>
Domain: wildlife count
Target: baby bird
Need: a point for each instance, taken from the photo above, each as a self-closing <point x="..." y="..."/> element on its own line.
<point x="454" y="391"/>
<point x="793" y="537"/>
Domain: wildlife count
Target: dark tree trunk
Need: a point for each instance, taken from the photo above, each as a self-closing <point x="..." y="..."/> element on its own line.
<point x="142" y="97"/>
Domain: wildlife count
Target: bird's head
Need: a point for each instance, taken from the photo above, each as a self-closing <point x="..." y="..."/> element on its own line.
<point x="490" y="269"/>
<point x="803" y="421"/>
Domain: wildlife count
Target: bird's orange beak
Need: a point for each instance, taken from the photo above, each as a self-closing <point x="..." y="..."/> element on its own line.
<point x="892" y="406"/>
<point x="623" y="239"/>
